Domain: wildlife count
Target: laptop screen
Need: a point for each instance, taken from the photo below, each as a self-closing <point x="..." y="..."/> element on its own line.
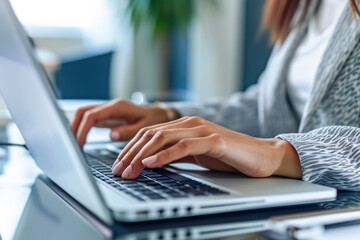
<point x="33" y="106"/>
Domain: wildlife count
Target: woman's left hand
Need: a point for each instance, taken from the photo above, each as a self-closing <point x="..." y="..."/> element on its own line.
<point x="193" y="139"/>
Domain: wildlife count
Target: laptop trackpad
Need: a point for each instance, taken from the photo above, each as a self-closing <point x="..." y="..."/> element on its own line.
<point x="238" y="182"/>
<point x="228" y="180"/>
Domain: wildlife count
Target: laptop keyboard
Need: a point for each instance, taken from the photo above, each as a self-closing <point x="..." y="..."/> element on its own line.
<point x="152" y="184"/>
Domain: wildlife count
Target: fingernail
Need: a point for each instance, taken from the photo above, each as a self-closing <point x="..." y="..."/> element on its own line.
<point x="114" y="164"/>
<point x="117" y="161"/>
<point x="148" y="162"/>
<point x="127" y="172"/>
<point x="115" y="135"/>
<point x="117" y="168"/>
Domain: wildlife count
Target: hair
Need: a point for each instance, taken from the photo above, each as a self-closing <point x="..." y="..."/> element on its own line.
<point x="278" y="16"/>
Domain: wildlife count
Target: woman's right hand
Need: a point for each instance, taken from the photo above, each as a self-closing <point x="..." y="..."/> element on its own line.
<point x="130" y="119"/>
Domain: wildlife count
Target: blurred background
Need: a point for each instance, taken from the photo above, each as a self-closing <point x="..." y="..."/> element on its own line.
<point x="147" y="50"/>
<point x="140" y="50"/>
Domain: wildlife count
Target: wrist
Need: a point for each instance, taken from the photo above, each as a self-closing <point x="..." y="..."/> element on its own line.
<point x="170" y="113"/>
<point x="288" y="161"/>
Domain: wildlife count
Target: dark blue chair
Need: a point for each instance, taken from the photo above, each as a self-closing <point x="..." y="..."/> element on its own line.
<point x="85" y="75"/>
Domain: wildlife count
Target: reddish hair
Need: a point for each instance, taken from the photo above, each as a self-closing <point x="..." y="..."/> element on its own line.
<point x="278" y="15"/>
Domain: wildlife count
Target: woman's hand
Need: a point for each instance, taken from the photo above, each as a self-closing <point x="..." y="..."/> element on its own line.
<point x="124" y="118"/>
<point x="193" y="139"/>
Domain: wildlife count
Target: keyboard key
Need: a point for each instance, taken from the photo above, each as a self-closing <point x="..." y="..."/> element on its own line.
<point x="166" y="182"/>
<point x="155" y="196"/>
<point x="120" y="180"/>
<point x="177" y="195"/>
<point x="195" y="192"/>
<point x="216" y="191"/>
<point x="120" y="187"/>
<point x="153" y="184"/>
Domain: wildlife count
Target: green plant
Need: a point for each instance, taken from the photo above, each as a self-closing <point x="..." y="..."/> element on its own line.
<point x="163" y="19"/>
<point x="163" y="16"/>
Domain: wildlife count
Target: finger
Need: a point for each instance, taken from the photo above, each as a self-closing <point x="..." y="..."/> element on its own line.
<point x="179" y="123"/>
<point x="79" y="115"/>
<point x="151" y="143"/>
<point x="182" y="149"/>
<point x="111" y="123"/>
<point x="91" y="118"/>
<point x="126" y="132"/>
<point x="123" y="163"/>
<point x="183" y="122"/>
<point x="140" y="134"/>
<point x="126" y="149"/>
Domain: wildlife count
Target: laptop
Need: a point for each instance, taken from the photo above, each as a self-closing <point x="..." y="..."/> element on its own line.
<point x="162" y="193"/>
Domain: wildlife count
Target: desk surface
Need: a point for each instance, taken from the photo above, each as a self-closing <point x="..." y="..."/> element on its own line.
<point x="18" y="173"/>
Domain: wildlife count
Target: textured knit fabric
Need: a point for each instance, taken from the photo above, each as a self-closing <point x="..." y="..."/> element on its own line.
<point x="327" y="136"/>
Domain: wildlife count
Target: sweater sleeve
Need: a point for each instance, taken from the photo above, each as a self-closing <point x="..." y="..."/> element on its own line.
<point x="239" y="112"/>
<point x="329" y="156"/>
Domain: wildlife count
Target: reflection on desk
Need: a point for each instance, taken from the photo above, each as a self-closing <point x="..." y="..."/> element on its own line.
<point x="51" y="212"/>
<point x="17" y="174"/>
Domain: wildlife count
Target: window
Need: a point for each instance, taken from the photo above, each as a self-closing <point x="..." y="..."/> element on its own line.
<point x="89" y="18"/>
